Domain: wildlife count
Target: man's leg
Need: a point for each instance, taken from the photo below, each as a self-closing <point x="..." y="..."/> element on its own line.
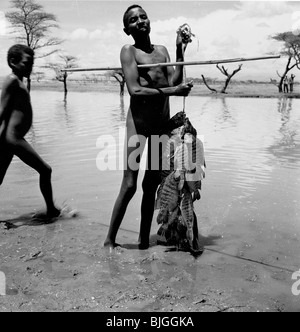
<point x="129" y="182"/>
<point x="23" y="150"/>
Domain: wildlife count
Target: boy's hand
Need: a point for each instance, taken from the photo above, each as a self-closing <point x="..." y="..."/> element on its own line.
<point x="184" y="36"/>
<point x="184" y="89"/>
<point x="180" y="42"/>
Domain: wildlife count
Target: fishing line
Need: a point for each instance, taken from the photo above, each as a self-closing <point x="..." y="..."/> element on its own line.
<point x="226" y="254"/>
<point x="251" y="260"/>
<point x="186" y="35"/>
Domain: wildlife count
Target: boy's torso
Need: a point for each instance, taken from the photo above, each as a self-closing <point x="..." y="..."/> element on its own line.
<point x="156" y="77"/>
<point x="19" y="119"/>
<point x="151" y="112"/>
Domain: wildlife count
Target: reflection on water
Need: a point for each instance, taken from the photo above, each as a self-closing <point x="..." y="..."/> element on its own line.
<point x="286" y="148"/>
<point x="252" y="152"/>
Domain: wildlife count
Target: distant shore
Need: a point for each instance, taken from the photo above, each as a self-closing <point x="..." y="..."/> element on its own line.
<point x="234" y="90"/>
<point x="239" y="90"/>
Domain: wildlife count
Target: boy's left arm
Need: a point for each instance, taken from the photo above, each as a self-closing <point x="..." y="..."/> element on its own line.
<point x="176" y="76"/>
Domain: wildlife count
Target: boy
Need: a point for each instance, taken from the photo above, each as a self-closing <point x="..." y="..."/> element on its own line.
<point x="148" y="115"/>
<point x="16" y="120"/>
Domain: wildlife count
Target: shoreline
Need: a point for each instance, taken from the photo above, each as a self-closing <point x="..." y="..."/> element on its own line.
<point x="199" y="90"/>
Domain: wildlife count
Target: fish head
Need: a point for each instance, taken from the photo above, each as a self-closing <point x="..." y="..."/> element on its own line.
<point x="188" y="128"/>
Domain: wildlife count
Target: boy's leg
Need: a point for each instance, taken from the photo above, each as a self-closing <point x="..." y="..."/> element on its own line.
<point x="23" y="150"/>
<point x="128" y="186"/>
<point x="5" y="160"/>
<point x="150" y="184"/>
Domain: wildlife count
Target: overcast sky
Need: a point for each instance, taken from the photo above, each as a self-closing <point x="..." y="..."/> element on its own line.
<point x="93" y="31"/>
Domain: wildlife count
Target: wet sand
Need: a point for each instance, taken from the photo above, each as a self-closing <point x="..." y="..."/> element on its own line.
<point x="63" y="267"/>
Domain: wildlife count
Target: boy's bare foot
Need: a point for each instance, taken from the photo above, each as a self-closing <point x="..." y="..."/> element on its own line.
<point x="53" y="213"/>
<point x="144" y="246"/>
<point x="111" y="245"/>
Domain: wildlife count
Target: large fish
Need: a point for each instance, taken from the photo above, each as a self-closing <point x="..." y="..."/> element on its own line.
<point x="187" y="213"/>
<point x="183" y="171"/>
<point x="184" y="153"/>
<point x="168" y="199"/>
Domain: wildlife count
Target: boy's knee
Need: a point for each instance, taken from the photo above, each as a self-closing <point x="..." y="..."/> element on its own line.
<point x="47" y="171"/>
<point x="130" y="187"/>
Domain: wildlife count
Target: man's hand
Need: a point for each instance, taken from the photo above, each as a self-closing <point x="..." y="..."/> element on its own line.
<point x="184" y="89"/>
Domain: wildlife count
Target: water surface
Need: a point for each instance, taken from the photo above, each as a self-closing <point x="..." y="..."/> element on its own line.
<point x="250" y="197"/>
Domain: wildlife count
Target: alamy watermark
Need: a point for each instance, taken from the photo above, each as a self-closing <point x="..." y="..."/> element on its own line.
<point x="165" y="153"/>
<point x="296" y="284"/>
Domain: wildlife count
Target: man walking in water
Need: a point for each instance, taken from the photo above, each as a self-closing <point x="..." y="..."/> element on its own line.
<point x="291" y="83"/>
<point x="286" y="85"/>
<point x="149" y="114"/>
<point x="16" y="120"/>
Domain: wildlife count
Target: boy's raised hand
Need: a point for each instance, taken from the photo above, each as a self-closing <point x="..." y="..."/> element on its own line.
<point x="184" y="89"/>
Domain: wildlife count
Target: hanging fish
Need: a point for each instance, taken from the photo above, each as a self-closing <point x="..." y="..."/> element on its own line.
<point x="168" y="199"/>
<point x="189" y="158"/>
<point x="187" y="213"/>
<point x="183" y="171"/>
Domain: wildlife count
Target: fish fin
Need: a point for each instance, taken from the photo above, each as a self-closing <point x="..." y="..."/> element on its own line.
<point x="181" y="181"/>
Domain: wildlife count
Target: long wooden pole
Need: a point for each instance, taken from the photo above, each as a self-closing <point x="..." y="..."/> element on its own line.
<point x="166" y="64"/>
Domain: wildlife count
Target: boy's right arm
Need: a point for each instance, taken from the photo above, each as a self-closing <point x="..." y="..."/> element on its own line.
<point x="6" y="98"/>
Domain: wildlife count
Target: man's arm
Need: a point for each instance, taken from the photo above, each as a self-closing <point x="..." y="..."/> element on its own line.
<point x="132" y="77"/>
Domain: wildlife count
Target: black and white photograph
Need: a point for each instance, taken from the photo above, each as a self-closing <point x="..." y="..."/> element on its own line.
<point x="149" y="158"/>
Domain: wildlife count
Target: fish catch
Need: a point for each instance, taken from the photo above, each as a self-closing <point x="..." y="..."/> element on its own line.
<point x="182" y="174"/>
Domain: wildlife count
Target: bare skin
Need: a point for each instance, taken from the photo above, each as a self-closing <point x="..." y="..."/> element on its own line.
<point x="148" y="114"/>
<point x="15" y="122"/>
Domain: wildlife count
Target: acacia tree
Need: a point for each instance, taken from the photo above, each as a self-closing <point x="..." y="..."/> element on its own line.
<point x="228" y="79"/>
<point x="291" y="50"/>
<point x="32" y="26"/>
<point x="68" y="62"/>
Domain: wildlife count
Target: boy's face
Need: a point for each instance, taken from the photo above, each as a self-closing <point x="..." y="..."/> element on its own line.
<point x="24" y="67"/>
<point x="138" y="23"/>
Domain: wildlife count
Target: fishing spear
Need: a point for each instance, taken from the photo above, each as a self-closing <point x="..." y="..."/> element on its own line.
<point x="183" y="63"/>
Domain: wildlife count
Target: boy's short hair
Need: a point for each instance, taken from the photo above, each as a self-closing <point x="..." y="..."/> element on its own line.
<point x="16" y="52"/>
<point x="127" y="11"/>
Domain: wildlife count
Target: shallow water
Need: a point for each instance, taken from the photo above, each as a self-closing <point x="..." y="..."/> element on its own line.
<point x="250" y="197"/>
